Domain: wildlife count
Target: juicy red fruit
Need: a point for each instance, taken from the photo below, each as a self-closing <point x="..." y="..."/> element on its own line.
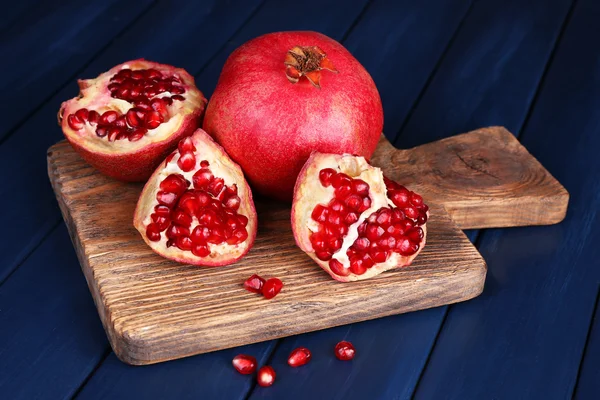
<point x="299" y="357"/>
<point x="203" y="222"/>
<point x="266" y="376"/>
<point x="244" y="364"/>
<point x="149" y="92"/>
<point x="271" y="288"/>
<point x="254" y="284"/>
<point x="344" y="351"/>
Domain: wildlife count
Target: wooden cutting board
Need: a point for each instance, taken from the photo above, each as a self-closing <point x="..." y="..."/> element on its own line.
<point x="154" y="309"/>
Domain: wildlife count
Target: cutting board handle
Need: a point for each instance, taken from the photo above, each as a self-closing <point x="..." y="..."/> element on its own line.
<point x="484" y="179"/>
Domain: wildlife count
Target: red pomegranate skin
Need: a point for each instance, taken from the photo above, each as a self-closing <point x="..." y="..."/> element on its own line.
<point x="270" y="125"/>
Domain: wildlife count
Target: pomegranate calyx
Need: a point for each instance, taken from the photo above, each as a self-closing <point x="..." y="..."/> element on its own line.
<point x="307" y="61"/>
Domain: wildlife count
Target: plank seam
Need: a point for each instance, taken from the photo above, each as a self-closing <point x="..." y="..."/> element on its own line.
<point x="73" y="77"/>
<point x="436" y="67"/>
<point x="586" y="343"/>
<point x="105" y="355"/>
<point x="267" y="362"/>
<point x="542" y="80"/>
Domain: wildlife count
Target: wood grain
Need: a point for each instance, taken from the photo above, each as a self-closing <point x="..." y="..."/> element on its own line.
<point x="484" y="179"/>
<point x="155" y="310"/>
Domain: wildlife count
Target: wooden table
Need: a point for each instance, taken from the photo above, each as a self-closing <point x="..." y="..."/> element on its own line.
<point x="443" y="67"/>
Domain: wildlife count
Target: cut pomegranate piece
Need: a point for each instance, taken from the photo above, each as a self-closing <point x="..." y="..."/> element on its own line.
<point x="299" y="357"/>
<point x="197" y="225"/>
<point x="344" y="351"/>
<point x="266" y="376"/>
<point x="125" y="121"/>
<point x="354" y="222"/>
<point x="271" y="288"/>
<point x="254" y="284"/>
<point x="244" y="364"/>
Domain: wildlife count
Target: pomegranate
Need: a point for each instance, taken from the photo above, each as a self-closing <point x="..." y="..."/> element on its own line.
<point x="244" y="364"/>
<point x="271" y="288"/>
<point x="344" y="351"/>
<point x="354" y="222"/>
<point x="197" y="208"/>
<point x="254" y="284"/>
<point x="281" y="96"/>
<point x="299" y="357"/>
<point x="266" y="376"/>
<point x="125" y="121"/>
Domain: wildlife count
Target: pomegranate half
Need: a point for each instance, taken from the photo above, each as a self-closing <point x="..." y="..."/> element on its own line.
<point x="125" y="121"/>
<point x="197" y="207"/>
<point x="354" y="222"/>
<point x="282" y="95"/>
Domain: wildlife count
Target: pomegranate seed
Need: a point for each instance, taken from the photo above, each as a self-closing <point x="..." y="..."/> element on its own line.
<point x="166" y="198"/>
<point x="177" y="90"/>
<point x="360" y="187"/>
<point x="200" y="250"/>
<point x="82" y="114"/>
<point x="121" y="122"/>
<point x="152" y="232"/>
<point x="75" y="122"/>
<point x="254" y="284"/>
<point x="271" y="288"/>
<point x="153" y="74"/>
<point x="153" y="119"/>
<point x="415" y="199"/>
<point x="108" y="118"/>
<point x="238" y="236"/>
<point x="186" y="161"/>
<point x="113" y="133"/>
<point x="202" y="178"/>
<point x="186" y="145"/>
<point x="406" y="247"/>
<point x="136" y="117"/>
<point x="182" y="219"/>
<point x="299" y="357"/>
<point x="205" y="164"/>
<point x="178" y="97"/>
<point x="216" y="186"/>
<point x="415" y="235"/>
<point x="244" y="364"/>
<point x="233" y="202"/>
<point x="174" y="183"/>
<point x="184" y="243"/>
<point x="338" y="268"/>
<point x="200" y="235"/>
<point x="344" y="351"/>
<point x="325" y="176"/>
<point x="358" y="267"/>
<point x="161" y="221"/>
<point x="137" y="134"/>
<point x="93" y="117"/>
<point x="243" y="220"/>
<point x="175" y="231"/>
<point x="340" y="180"/>
<point x="160" y="106"/>
<point x="101" y="132"/>
<point x="266" y="376"/>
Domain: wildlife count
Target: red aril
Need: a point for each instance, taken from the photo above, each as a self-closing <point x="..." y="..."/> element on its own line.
<point x="271" y="288"/>
<point x="299" y="356"/>
<point x="254" y="284"/>
<point x="354" y="222"/>
<point x="344" y="351"/>
<point x="281" y="96"/>
<point x="197" y="224"/>
<point x="125" y="121"/>
<point x="266" y="376"/>
<point x="244" y="364"/>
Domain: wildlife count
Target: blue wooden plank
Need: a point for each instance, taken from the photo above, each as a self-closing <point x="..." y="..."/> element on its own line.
<point x="407" y="356"/>
<point x="524" y="337"/>
<point x="54" y="42"/>
<point x="16" y="13"/>
<point x="36" y="211"/>
<point x="209" y="376"/>
<point x="487" y="77"/>
<point x="588" y="382"/>
<point x="50" y="335"/>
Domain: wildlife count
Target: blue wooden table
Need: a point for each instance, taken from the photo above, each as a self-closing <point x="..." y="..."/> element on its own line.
<point x="442" y="67"/>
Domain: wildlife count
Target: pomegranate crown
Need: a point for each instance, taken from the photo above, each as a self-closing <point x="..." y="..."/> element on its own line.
<point x="307" y="61"/>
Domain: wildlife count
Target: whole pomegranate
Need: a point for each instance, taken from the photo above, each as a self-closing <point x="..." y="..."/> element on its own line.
<point x="354" y="222"/>
<point x="281" y="96"/>
<point x="197" y="207"/>
<point x="125" y="121"/>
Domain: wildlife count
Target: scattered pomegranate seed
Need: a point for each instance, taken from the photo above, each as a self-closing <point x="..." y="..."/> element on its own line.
<point x="266" y="376"/>
<point x="271" y="288"/>
<point x="344" y="351"/>
<point x="299" y="356"/>
<point x="254" y="284"/>
<point x="244" y="364"/>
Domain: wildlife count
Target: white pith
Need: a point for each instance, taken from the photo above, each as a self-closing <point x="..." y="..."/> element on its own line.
<point x="229" y="172"/>
<point x="94" y="94"/>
